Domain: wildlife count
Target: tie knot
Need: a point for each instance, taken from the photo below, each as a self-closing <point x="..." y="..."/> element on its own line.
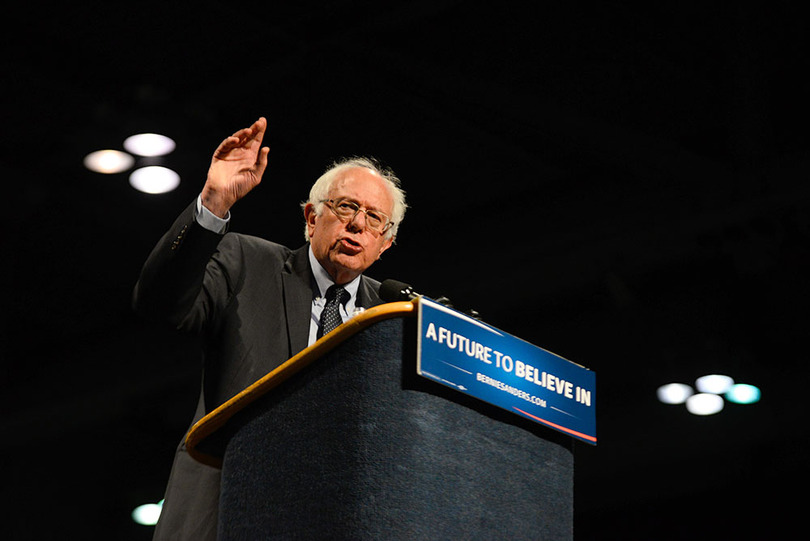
<point x="337" y="293"/>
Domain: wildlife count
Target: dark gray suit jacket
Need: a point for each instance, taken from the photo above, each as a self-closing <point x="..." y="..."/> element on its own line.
<point x="251" y="300"/>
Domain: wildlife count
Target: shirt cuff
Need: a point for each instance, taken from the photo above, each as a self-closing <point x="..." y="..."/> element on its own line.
<point x="209" y="220"/>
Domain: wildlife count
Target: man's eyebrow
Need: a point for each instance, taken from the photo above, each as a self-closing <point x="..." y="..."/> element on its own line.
<point x="356" y="202"/>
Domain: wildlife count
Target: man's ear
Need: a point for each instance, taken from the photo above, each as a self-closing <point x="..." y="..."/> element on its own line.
<point x="310" y="216"/>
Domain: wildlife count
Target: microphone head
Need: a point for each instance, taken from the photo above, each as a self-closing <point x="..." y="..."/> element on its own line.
<point x="394" y="290"/>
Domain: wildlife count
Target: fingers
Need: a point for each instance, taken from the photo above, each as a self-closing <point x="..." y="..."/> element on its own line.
<point x="248" y="139"/>
<point x="255" y="132"/>
<point x="244" y="137"/>
<point x="226" y="145"/>
<point x="261" y="161"/>
<point x="259" y="127"/>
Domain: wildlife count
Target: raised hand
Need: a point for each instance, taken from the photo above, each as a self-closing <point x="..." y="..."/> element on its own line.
<point x="236" y="168"/>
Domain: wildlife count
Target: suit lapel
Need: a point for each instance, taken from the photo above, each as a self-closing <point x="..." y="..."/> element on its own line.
<point x="297" y="281"/>
<point x="367" y="295"/>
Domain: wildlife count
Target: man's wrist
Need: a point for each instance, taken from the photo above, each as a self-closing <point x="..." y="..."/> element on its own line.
<point x="209" y="220"/>
<point x="212" y="202"/>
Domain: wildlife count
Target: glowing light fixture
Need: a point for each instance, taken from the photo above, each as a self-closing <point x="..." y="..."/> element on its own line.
<point x="147" y="514"/>
<point x="704" y="404"/>
<point x="149" y="144"/>
<point x="154" y="179"/>
<point x="674" y="393"/>
<point x="714" y="383"/>
<point x="742" y="393"/>
<point x="108" y="161"/>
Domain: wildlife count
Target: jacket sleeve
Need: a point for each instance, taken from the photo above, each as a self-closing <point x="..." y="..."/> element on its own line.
<point x="189" y="275"/>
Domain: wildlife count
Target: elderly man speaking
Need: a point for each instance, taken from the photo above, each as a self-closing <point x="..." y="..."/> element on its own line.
<point x="257" y="303"/>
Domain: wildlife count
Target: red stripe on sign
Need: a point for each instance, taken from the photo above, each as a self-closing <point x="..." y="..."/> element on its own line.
<point x="558" y="427"/>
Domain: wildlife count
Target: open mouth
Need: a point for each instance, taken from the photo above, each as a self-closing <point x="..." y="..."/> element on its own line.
<point x="347" y="245"/>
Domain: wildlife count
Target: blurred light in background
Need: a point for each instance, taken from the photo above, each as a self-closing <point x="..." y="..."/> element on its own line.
<point x="714" y="383"/>
<point x="147" y="514"/>
<point x="108" y="161"/>
<point x="704" y="404"/>
<point x="674" y="393"/>
<point x="742" y="393"/>
<point x="154" y="179"/>
<point x="711" y="392"/>
<point x="151" y="179"/>
<point x="149" y="144"/>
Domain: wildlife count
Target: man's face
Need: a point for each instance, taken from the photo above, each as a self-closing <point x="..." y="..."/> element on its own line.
<point x="346" y="250"/>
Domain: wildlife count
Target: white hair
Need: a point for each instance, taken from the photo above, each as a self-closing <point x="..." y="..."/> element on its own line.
<point x="320" y="190"/>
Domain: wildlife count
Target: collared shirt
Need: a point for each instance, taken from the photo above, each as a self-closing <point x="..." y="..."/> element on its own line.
<point x="322" y="283"/>
<point x="322" y="280"/>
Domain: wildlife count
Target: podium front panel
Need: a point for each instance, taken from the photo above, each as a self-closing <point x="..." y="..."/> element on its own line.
<point x="357" y="447"/>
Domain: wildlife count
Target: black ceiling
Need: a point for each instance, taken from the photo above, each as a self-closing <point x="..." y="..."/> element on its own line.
<point x="625" y="186"/>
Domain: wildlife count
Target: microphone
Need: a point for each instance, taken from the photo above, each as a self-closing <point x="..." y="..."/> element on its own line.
<point x="394" y="290"/>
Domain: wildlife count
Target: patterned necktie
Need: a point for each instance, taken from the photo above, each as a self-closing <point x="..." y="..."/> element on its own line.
<point x="330" y="317"/>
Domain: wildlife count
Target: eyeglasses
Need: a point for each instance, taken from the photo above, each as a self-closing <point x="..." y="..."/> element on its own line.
<point x="346" y="210"/>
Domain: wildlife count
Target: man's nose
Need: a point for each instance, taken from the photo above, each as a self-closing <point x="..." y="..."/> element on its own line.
<point x="355" y="224"/>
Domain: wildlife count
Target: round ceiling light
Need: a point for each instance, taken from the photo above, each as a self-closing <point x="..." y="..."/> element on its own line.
<point x="742" y="393"/>
<point x="714" y="383"/>
<point x="704" y="404"/>
<point x="108" y="161"/>
<point x="674" y="393"/>
<point x="154" y="179"/>
<point x="149" y="144"/>
<point x="147" y="514"/>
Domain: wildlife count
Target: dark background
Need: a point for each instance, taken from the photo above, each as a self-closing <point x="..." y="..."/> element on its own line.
<point x="623" y="185"/>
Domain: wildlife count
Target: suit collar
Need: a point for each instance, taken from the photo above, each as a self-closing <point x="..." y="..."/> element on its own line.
<point x="367" y="293"/>
<point x="297" y="281"/>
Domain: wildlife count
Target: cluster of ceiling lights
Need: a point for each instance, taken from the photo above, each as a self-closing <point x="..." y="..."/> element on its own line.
<point x="713" y="391"/>
<point x="152" y="179"/>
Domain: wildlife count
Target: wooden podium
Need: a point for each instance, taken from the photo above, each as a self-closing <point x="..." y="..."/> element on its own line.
<point x="345" y="441"/>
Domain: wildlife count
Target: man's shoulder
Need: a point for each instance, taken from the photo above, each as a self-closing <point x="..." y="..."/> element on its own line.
<point x="255" y="243"/>
<point x="371" y="282"/>
<point x="252" y="248"/>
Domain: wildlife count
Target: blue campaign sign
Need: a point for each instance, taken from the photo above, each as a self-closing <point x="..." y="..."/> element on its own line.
<point x="503" y="370"/>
